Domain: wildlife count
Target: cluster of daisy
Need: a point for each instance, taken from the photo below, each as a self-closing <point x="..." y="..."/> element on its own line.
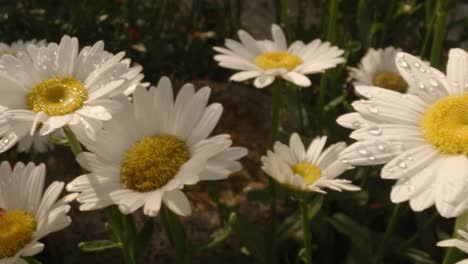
<point x="412" y="118"/>
<point x="134" y="159"/>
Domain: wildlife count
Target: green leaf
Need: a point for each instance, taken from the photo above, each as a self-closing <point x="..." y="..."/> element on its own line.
<point x="314" y="206"/>
<point x="219" y="235"/>
<point x="419" y="256"/>
<point x="250" y="236"/>
<point x="336" y="102"/>
<point x="376" y="27"/>
<point x="359" y="235"/>
<point x="289" y="227"/>
<point x="58" y="141"/>
<point x="98" y="245"/>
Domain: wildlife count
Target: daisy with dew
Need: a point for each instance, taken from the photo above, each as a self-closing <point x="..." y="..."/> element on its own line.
<point x="461" y="244"/>
<point x="35" y="143"/>
<point x="145" y="155"/>
<point x="311" y="169"/>
<point x="378" y="68"/>
<point x="422" y="139"/>
<point x="266" y="60"/>
<point x="26" y="213"/>
<point x="47" y="88"/>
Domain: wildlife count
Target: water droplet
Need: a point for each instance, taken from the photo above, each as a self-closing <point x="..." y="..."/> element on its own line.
<point x="373" y="109"/>
<point x="375" y="131"/>
<point x="410" y="158"/>
<point x="402" y="165"/>
<point x="363" y="152"/>
<point x="410" y="188"/>
<point x="417" y="65"/>
<point x="422" y="70"/>
<point x="421" y="86"/>
<point x="434" y="82"/>
<point x="356" y="124"/>
<point x="372" y="158"/>
<point x="403" y="63"/>
<point x="381" y="147"/>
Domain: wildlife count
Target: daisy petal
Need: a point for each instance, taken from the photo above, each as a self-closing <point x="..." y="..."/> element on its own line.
<point x="177" y="202"/>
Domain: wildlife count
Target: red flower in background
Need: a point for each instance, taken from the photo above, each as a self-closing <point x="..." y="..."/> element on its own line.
<point x="132" y="34"/>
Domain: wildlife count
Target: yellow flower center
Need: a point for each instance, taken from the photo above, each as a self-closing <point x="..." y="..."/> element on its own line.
<point x="153" y="162"/>
<point x="16" y="231"/>
<point x="391" y="81"/>
<point x="308" y="171"/>
<point x="57" y="96"/>
<point x="445" y="124"/>
<point x="277" y="60"/>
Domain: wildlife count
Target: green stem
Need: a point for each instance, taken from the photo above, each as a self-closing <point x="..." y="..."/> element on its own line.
<point x="388" y="17"/>
<point x="284" y="17"/>
<point x="275" y="112"/>
<point x="439" y="32"/>
<point x="388" y="232"/>
<point x="300" y="114"/>
<point x="429" y="29"/>
<point x="452" y="255"/>
<point x="122" y="227"/>
<point x="306" y="230"/>
<point x="332" y="33"/>
<point x="72" y="141"/>
<point x="176" y="234"/>
<point x="332" y="36"/>
<point x="270" y="235"/>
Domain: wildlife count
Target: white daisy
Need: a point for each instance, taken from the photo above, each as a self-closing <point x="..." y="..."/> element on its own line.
<point x="266" y="60"/>
<point x="147" y="153"/>
<point x="308" y="170"/>
<point x="378" y="68"/>
<point x="26" y="213"/>
<point x="422" y="139"/>
<point x="54" y="86"/>
<point x="19" y="46"/>
<point x="461" y="244"/>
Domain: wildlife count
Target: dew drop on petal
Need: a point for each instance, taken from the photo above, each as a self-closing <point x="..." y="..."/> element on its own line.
<point x="356" y="124"/>
<point x="403" y="63"/>
<point x="363" y="152"/>
<point x="373" y="109"/>
<point x="375" y="131"/>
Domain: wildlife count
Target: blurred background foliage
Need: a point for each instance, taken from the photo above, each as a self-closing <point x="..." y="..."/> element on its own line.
<point x="175" y="38"/>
